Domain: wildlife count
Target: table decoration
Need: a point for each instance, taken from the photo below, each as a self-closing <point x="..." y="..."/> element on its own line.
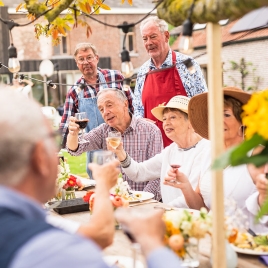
<point x="66" y="183"/>
<point x="183" y="231"/>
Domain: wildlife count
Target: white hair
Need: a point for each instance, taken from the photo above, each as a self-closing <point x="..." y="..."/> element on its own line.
<point x="161" y="24"/>
<point x="119" y="93"/>
<point x="22" y="125"/>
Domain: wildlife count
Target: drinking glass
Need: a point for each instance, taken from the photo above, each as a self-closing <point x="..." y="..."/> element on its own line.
<point x="173" y="161"/>
<point x="82" y="120"/>
<point x="114" y="138"/>
<point x="102" y="157"/>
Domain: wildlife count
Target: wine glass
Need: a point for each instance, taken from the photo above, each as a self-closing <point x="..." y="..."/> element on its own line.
<point x="102" y="157"/>
<point x="173" y="162"/>
<point x="82" y="120"/>
<point x="114" y="138"/>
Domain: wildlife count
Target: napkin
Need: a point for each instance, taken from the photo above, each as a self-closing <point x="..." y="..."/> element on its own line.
<point x="264" y="259"/>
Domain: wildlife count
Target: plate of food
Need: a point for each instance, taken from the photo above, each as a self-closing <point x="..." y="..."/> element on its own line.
<point x="122" y="262"/>
<point x="245" y="243"/>
<point x="139" y="196"/>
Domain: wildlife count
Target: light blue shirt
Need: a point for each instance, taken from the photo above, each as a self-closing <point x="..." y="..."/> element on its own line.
<point x="56" y="248"/>
<point x="193" y="83"/>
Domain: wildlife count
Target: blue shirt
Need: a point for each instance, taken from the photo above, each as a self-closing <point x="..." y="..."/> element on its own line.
<point x="55" y="248"/>
<point x="193" y="83"/>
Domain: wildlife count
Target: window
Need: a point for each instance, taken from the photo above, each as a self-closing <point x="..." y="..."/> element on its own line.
<point x="61" y="48"/>
<point x="130" y="44"/>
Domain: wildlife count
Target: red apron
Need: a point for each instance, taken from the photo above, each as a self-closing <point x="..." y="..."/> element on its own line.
<point x="160" y="86"/>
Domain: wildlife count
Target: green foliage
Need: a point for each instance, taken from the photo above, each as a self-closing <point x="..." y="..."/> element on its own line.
<point x="245" y="69"/>
<point x="239" y="155"/>
<point x="77" y="164"/>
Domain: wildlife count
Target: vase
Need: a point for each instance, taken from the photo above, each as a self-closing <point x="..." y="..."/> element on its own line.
<point x="69" y="194"/>
<point x="191" y="255"/>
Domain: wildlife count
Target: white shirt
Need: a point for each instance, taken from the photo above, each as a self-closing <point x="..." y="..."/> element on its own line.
<point x="191" y="161"/>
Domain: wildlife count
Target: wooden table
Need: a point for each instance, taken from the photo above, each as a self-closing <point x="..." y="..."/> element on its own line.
<point x="122" y="246"/>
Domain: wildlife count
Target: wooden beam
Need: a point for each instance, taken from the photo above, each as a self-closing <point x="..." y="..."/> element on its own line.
<point x="215" y="109"/>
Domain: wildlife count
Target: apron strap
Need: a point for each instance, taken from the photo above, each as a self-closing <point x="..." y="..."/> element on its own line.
<point x="102" y="80"/>
<point x="173" y="57"/>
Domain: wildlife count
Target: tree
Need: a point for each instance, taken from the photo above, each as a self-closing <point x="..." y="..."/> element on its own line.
<point x="176" y="11"/>
<point x="245" y="68"/>
<point x="55" y="25"/>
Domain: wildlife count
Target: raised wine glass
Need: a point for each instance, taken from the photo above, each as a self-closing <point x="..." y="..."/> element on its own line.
<point x="114" y="138"/>
<point x="173" y="161"/>
<point x="82" y="120"/>
<point x="102" y="157"/>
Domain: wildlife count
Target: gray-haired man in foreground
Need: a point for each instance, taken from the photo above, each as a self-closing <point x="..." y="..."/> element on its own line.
<point x="28" y="170"/>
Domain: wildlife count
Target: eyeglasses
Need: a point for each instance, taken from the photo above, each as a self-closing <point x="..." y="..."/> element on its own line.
<point x="88" y="59"/>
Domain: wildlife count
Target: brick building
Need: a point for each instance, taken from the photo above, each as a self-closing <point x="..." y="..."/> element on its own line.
<point x="253" y="48"/>
<point x="108" y="40"/>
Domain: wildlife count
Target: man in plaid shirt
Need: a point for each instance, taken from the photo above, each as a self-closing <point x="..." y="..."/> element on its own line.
<point x="142" y="139"/>
<point x="82" y="97"/>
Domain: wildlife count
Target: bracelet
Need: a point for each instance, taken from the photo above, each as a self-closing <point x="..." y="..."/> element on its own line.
<point x="126" y="162"/>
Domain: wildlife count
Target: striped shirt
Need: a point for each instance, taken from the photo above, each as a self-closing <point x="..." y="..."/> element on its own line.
<point x="142" y="140"/>
<point x="113" y="78"/>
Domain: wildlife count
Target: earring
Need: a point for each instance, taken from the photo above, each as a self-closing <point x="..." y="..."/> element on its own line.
<point x="242" y="130"/>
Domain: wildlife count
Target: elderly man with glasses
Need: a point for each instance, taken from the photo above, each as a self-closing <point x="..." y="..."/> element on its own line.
<point x="142" y="139"/>
<point x="82" y="97"/>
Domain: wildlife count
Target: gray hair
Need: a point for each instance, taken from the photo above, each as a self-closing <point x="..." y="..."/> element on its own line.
<point x="85" y="47"/>
<point x="161" y="24"/>
<point x="119" y="93"/>
<point x="22" y="125"/>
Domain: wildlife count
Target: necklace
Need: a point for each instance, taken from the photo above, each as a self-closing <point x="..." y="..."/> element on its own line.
<point x="189" y="148"/>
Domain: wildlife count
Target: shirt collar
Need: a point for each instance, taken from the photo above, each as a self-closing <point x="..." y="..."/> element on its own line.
<point x="166" y="63"/>
<point x="21" y="204"/>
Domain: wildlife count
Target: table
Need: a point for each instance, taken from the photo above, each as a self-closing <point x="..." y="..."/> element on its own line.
<point x="122" y="246"/>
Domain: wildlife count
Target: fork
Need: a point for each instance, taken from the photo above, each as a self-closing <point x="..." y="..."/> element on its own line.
<point x="135" y="197"/>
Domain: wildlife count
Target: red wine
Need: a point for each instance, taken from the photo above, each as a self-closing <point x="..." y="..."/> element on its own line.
<point x="82" y="123"/>
<point x="175" y="166"/>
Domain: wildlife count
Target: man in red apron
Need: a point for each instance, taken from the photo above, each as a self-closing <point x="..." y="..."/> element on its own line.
<point x="164" y="75"/>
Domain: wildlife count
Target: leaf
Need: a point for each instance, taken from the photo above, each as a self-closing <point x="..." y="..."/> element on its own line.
<point x="238" y="155"/>
<point x="20" y="6"/>
<point x="103" y="6"/>
<point x="263" y="211"/>
<point x="83" y="7"/>
<point x="1" y="3"/>
<point x="122" y="1"/>
<point x="88" y="7"/>
<point x="130" y="2"/>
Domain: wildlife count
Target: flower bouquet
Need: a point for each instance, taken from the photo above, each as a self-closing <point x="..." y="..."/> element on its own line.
<point x="66" y="183"/>
<point x="184" y="229"/>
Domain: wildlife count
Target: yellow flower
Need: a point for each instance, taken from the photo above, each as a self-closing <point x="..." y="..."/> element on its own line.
<point x="255" y="115"/>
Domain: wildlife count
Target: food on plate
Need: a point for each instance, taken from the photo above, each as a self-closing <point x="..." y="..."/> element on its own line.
<point x="257" y="243"/>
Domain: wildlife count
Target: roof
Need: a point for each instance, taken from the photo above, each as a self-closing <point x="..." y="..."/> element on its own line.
<point x="199" y="37"/>
<point x="254" y="19"/>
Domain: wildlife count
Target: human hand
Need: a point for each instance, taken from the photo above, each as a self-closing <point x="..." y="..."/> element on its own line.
<point x="73" y="127"/>
<point x="147" y="229"/>
<point x="262" y="187"/>
<point x="119" y="151"/>
<point x="176" y="179"/>
<point x="105" y="175"/>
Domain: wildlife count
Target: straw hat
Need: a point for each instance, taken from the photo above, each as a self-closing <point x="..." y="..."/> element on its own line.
<point x="178" y="102"/>
<point x="198" y="108"/>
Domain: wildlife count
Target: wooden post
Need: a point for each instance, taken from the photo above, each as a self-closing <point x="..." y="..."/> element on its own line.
<point x="215" y="109"/>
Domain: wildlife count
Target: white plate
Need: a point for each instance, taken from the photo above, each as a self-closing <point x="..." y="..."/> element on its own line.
<point x="248" y="251"/>
<point x="123" y="262"/>
<point x="87" y="182"/>
<point x="144" y="196"/>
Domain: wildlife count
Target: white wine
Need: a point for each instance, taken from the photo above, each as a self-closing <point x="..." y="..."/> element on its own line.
<point x="114" y="141"/>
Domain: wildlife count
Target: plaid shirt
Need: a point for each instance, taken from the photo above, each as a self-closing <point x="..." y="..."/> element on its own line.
<point x="71" y="102"/>
<point x="193" y="83"/>
<point x="142" y="140"/>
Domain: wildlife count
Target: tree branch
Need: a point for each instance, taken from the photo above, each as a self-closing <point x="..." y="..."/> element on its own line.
<point x="176" y="11"/>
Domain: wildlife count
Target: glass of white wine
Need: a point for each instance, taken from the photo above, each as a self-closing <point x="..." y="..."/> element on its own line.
<point x="101" y="157"/>
<point x="114" y="138"/>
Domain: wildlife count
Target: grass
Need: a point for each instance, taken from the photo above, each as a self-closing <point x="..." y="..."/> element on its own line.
<point x="77" y="164"/>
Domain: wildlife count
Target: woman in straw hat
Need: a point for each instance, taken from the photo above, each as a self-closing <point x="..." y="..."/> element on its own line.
<point x="188" y="150"/>
<point x="239" y="182"/>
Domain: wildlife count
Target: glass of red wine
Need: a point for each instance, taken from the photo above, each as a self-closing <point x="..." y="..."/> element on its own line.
<point x="82" y="120"/>
<point x="173" y="162"/>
